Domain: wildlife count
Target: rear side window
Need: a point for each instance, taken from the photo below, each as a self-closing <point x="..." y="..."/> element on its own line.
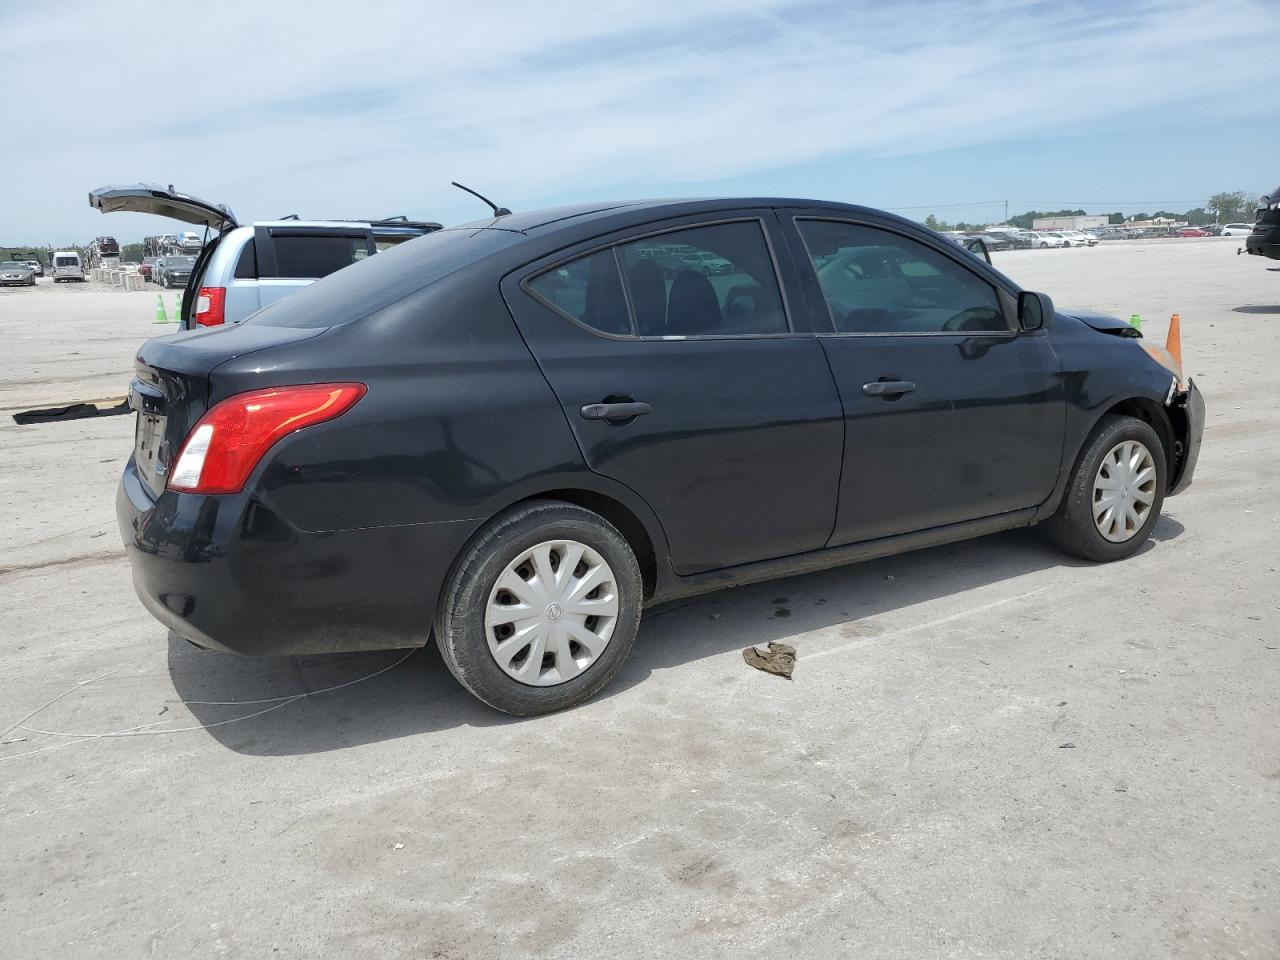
<point x="247" y="264"/>
<point x="876" y="281"/>
<point x="589" y="291"/>
<point x="717" y="280"/>
<point x="310" y="258"/>
<point x="706" y="281"/>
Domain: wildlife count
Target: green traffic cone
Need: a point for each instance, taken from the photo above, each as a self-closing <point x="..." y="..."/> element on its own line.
<point x="161" y="316"/>
<point x="177" y="308"/>
<point x="1135" y="321"/>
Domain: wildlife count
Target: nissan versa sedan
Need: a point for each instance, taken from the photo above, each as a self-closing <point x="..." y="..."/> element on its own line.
<point x="515" y="434"/>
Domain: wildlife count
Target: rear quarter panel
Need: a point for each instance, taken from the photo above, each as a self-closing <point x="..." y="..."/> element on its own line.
<point x="457" y="422"/>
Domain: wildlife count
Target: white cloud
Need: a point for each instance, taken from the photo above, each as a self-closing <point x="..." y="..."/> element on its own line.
<point x="356" y="110"/>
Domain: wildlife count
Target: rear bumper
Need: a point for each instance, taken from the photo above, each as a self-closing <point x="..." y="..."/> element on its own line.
<point x="1187" y="414"/>
<point x="228" y="573"/>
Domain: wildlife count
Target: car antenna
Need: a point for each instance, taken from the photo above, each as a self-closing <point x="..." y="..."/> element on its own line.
<point x="497" y="210"/>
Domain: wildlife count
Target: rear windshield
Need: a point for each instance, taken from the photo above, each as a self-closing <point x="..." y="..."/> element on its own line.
<point x="376" y="282"/>
<point x="65" y="262"/>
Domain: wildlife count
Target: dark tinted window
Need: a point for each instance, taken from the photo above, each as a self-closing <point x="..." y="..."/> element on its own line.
<point x="705" y="281"/>
<point x="247" y="265"/>
<point x="588" y="290"/>
<point x="876" y="281"/>
<point x="310" y="258"/>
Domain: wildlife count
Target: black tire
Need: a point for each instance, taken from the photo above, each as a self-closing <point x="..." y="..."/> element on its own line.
<point x="459" y="623"/>
<point x="1072" y="527"/>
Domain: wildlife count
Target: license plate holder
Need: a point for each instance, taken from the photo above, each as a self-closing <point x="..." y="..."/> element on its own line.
<point x="148" y="438"/>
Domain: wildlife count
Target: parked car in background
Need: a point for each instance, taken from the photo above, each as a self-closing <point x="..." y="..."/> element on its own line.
<point x="1077" y="238"/>
<point x="1047" y="239"/>
<point x="993" y="241"/>
<point x="174" y="270"/>
<point x="246" y="267"/>
<point x="1192" y="232"/>
<point x="1237" y="229"/>
<point x="1018" y="239"/>
<point x="705" y="263"/>
<point x="36" y="266"/>
<point x="511" y="436"/>
<point x="147" y="266"/>
<point x="1212" y="229"/>
<point x="16" y="273"/>
<point x="67" y="266"/>
<point x="1264" y="239"/>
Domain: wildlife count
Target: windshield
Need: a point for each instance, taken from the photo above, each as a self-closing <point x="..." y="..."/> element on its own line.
<point x="12" y="265"/>
<point x="179" y="261"/>
<point x="65" y="261"/>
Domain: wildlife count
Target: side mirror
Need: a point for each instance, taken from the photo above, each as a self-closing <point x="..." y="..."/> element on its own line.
<point x="1035" y="311"/>
<point x="978" y="247"/>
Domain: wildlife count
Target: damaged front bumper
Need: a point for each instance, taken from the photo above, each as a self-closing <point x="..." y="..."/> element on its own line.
<point x="1186" y="415"/>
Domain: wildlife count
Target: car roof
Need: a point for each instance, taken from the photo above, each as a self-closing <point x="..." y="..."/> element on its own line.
<point x="535" y="222"/>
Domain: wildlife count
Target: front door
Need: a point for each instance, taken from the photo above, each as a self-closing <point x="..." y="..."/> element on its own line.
<point x="681" y="376"/>
<point x="950" y="413"/>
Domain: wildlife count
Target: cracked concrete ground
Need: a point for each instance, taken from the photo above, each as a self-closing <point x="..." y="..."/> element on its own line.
<point x="988" y="750"/>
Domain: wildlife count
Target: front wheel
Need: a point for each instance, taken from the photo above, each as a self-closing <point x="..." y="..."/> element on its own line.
<point x="1115" y="493"/>
<point x="541" y="609"/>
<point x="1044" y="246"/>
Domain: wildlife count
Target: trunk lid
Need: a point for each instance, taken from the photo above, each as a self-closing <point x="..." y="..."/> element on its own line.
<point x="170" y="389"/>
<point x="162" y="202"/>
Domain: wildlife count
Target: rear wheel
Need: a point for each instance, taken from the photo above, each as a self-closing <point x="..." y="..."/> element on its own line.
<point x="541" y="609"/>
<point x="1115" y="493"/>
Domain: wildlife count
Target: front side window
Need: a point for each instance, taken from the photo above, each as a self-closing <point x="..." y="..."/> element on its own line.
<point x="705" y="281"/>
<point x="875" y="281"/>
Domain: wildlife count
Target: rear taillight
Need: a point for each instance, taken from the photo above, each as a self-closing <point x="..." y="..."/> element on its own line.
<point x="210" y="304"/>
<point x="231" y="439"/>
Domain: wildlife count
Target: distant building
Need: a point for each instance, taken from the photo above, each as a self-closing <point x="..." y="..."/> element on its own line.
<point x="1068" y="223"/>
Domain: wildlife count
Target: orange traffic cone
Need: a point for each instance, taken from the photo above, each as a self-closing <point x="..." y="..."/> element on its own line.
<point x="1174" y="342"/>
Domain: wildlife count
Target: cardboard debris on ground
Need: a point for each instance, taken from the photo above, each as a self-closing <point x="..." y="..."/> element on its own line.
<point x="779" y="660"/>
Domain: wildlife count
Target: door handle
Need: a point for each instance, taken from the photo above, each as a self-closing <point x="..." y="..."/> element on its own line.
<point x="616" y="411"/>
<point x="888" y="388"/>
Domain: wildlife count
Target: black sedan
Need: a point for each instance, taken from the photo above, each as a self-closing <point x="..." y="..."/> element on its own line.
<point x="515" y="434"/>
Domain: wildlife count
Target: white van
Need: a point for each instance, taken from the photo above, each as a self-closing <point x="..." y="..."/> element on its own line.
<point x="67" y="266"/>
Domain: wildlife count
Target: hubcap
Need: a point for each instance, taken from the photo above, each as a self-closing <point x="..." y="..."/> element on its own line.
<point x="551" y="613"/>
<point x="1123" y="491"/>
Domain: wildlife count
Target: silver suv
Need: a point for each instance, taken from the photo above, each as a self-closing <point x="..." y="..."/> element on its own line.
<point x="245" y="268"/>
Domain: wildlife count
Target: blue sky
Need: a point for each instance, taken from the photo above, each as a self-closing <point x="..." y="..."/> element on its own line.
<point x="341" y="110"/>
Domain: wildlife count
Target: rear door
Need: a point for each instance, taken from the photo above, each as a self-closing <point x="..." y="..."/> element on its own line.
<point x="691" y="384"/>
<point x="291" y="257"/>
<point x="951" y="414"/>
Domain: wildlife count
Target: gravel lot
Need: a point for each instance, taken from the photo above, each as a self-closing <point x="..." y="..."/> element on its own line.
<point x="988" y="750"/>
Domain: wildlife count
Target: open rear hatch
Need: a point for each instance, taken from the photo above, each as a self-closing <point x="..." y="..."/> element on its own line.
<point x="162" y="202"/>
<point x="171" y="387"/>
<point x="167" y="202"/>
